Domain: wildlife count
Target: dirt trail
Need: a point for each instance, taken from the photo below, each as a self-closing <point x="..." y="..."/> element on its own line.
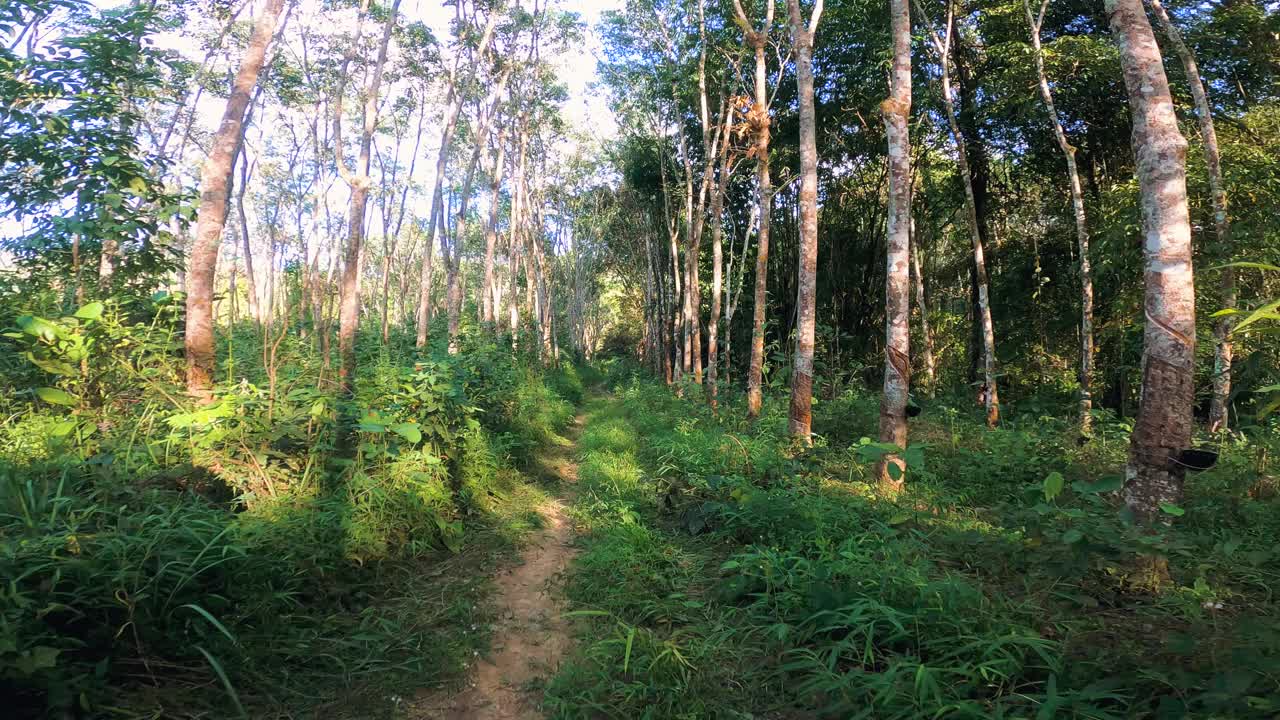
<point x="530" y="636"/>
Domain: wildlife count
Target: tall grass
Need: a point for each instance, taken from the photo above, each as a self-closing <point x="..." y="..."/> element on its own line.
<point x="729" y="574"/>
<point x="227" y="560"/>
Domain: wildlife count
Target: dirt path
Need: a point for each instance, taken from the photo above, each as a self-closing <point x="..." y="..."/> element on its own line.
<point x="530" y="636"/>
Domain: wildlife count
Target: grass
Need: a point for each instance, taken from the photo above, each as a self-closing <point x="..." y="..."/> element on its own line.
<point x="230" y="560"/>
<point x="728" y="574"/>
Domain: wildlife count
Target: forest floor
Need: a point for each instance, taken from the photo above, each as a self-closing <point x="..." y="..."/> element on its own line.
<point x="530" y="635"/>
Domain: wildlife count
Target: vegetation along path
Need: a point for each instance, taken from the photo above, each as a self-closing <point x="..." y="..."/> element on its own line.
<point x="530" y="635"/>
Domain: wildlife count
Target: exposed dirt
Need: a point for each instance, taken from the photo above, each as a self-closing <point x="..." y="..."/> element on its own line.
<point x="530" y="636"/>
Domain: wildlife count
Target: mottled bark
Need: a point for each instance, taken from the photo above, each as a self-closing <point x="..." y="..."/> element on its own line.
<point x="1082" y="230"/>
<point x="758" y="120"/>
<point x="807" y="275"/>
<point x="212" y="215"/>
<point x="1163" y="426"/>
<point x="896" y="110"/>
<point x="1222" y="353"/>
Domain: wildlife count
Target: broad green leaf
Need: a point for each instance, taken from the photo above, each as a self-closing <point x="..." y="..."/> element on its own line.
<point x="409" y="431"/>
<point x="92" y="311"/>
<point x="63" y="428"/>
<point x="1072" y="536"/>
<point x="38" y="327"/>
<point x="1109" y="483"/>
<point x="1172" y="509"/>
<point x="1053" y="485"/>
<point x="54" y="396"/>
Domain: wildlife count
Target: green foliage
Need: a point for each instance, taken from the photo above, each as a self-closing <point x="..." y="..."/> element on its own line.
<point x="726" y="576"/>
<point x="234" y="546"/>
<point x="71" y="165"/>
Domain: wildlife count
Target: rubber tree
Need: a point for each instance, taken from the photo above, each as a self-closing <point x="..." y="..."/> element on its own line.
<point x="454" y="99"/>
<point x="942" y="47"/>
<point x="800" y="416"/>
<point x="717" y="256"/>
<point x="360" y="183"/>
<point x="758" y="121"/>
<point x="1036" y="21"/>
<point x="215" y="180"/>
<point x="1154" y="475"/>
<point x="895" y="111"/>
<point x="1222" y="352"/>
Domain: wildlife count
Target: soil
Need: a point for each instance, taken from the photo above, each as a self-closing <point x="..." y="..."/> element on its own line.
<point x="530" y="636"/>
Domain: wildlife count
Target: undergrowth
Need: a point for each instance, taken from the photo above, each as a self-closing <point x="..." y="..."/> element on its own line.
<point x="728" y="574"/>
<point x="169" y="559"/>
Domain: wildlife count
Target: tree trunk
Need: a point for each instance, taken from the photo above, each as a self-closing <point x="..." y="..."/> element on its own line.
<point x="758" y="119"/>
<point x="807" y="275"/>
<point x="246" y="172"/>
<point x="360" y="184"/>
<point x="926" y="333"/>
<point x="1222" y="353"/>
<point x="1082" y="230"/>
<point x="896" y="111"/>
<point x="990" y="393"/>
<point x="212" y="215"/>
<point x="717" y="260"/>
<point x="1163" y="428"/>
<point x="491" y="235"/>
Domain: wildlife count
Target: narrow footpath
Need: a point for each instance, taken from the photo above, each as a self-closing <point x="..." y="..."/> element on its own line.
<point x="530" y="636"/>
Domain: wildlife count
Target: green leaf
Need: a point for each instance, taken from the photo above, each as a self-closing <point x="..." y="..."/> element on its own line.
<point x="1172" y="509"/>
<point x="63" y="428"/>
<point x="92" y="311"/>
<point x="38" y="327"/>
<point x="54" y="396"/>
<point x="1254" y="265"/>
<point x="1053" y="485"/>
<point x="1266" y="312"/>
<point x="409" y="431"/>
<point x="1072" y="536"/>
<point x="1110" y="483"/>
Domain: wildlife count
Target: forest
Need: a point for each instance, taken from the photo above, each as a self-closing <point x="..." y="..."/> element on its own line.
<point x="640" y="359"/>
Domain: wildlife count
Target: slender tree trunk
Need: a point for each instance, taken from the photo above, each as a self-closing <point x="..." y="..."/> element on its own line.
<point x="517" y="222"/>
<point x="246" y="172"/>
<point x="926" y="332"/>
<point x="454" y="101"/>
<point x="360" y="184"/>
<point x="453" y="256"/>
<point x="991" y="397"/>
<point x="491" y="234"/>
<point x="758" y="119"/>
<point x="717" y="261"/>
<point x="1082" y="230"/>
<point x="212" y="216"/>
<point x="807" y="275"/>
<point x="1163" y="426"/>
<point x="1222" y="352"/>
<point x="896" y="111"/>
